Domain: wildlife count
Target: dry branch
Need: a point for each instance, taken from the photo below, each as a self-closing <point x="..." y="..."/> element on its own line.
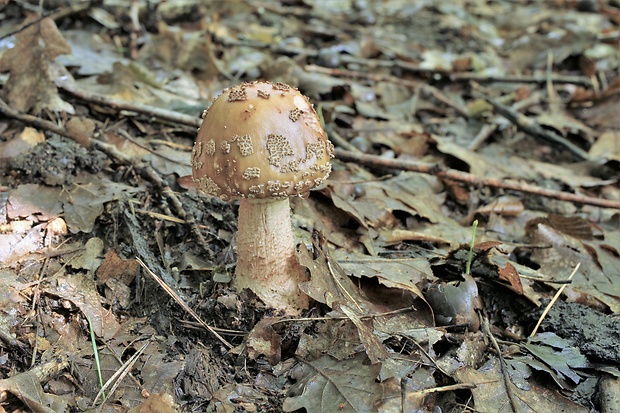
<point x="529" y="126"/>
<point x="444" y="173"/>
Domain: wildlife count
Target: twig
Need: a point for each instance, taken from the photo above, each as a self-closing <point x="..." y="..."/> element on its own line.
<point x="127" y="136"/>
<point x="183" y="305"/>
<point x="377" y="77"/>
<point x="482" y="136"/>
<point x="362" y="316"/>
<point x="338" y="140"/>
<point x="120" y="374"/>
<point x="10" y="341"/>
<point x="555" y="298"/>
<point x="557" y="79"/>
<point x="466" y="77"/>
<point x="119" y="104"/>
<point x="54" y="15"/>
<point x="444" y="173"/>
<point x="426" y="354"/>
<point x="436" y="93"/>
<point x="450" y="387"/>
<point x="529" y="126"/>
<point x="41" y="373"/>
<point x="502" y="364"/>
<point x="135" y="28"/>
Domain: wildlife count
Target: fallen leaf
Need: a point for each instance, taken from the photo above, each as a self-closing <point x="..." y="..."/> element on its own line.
<point x="264" y="340"/>
<point x="490" y="392"/>
<point x="156" y="403"/>
<point x="30" y="86"/>
<point x="559" y="354"/>
<point x="27" y="387"/>
<point x="330" y="385"/>
<point x="21" y="143"/>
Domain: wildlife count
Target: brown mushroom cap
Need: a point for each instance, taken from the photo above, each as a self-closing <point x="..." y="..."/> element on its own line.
<point x="260" y="140"/>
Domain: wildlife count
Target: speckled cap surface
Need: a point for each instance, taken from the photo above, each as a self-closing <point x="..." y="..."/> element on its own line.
<point x="260" y="140"/>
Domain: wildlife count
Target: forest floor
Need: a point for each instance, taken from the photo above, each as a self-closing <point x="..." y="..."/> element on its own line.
<point x="464" y="254"/>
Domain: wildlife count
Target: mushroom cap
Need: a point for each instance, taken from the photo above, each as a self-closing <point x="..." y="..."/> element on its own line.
<point x="260" y="140"/>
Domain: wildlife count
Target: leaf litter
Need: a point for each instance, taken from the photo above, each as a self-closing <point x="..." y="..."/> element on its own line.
<point x="98" y="118"/>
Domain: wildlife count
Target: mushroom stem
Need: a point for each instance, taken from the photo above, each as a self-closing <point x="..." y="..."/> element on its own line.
<point x="266" y="259"/>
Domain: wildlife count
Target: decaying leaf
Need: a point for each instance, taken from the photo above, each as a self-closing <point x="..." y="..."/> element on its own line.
<point x="374" y="348"/>
<point x="328" y="283"/>
<point x="81" y="203"/>
<point x="405" y="274"/>
<point x="329" y="385"/>
<point x="31" y="86"/>
<point x="156" y="403"/>
<point x="563" y="252"/>
<point x="490" y="393"/>
<point x="263" y="339"/>
<point x="28" y="388"/>
<point x="116" y="275"/>
<point x="82" y="292"/>
<point x="559" y="354"/>
<point x="90" y="257"/>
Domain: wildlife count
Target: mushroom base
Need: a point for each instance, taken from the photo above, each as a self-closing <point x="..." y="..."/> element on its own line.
<point x="266" y="259"/>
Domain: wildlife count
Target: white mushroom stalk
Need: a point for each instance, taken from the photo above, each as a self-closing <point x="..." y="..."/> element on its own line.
<point x="266" y="259"/>
<point x="261" y="143"/>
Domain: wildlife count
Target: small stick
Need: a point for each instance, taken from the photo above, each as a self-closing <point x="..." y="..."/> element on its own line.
<point x="529" y="126"/>
<point x="467" y="77"/>
<point x="55" y="15"/>
<point x="555" y="298"/>
<point x="558" y="79"/>
<point x="502" y="363"/>
<point x="444" y="173"/>
<point x="433" y="91"/>
<point x="119" y="104"/>
<point x="183" y="305"/>
<point x="482" y="136"/>
<point x="135" y="28"/>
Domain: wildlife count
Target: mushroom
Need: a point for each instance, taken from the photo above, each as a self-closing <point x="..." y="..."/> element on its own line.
<point x="261" y="143"/>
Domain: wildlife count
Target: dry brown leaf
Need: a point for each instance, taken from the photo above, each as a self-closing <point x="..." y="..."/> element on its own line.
<point x="337" y="338"/>
<point x="27" y="387"/>
<point x="156" y="403"/>
<point x="374" y="348"/>
<point x="189" y="51"/>
<point x="510" y="274"/>
<point x="504" y="205"/>
<point x="21" y="143"/>
<point x="327" y="384"/>
<point x="81" y="129"/>
<point x="328" y="283"/>
<point x="405" y="274"/>
<point x="116" y="274"/>
<point x="490" y="392"/>
<point x="597" y="263"/>
<point x="607" y="146"/>
<point x="264" y="340"/>
<point x="30" y="86"/>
